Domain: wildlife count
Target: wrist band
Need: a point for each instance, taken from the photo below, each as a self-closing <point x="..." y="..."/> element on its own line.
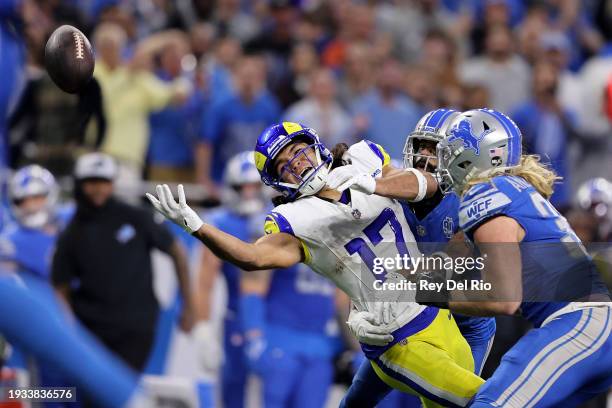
<point x="422" y="185"/>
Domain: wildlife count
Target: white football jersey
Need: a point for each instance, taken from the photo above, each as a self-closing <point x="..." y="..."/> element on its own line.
<point x="341" y="240"/>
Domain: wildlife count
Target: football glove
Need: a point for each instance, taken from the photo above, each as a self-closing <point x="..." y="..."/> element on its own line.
<point x="179" y="213"/>
<point x="349" y="176"/>
<point x="365" y="327"/>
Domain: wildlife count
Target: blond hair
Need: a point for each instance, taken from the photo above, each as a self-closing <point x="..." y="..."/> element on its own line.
<point x="536" y="173"/>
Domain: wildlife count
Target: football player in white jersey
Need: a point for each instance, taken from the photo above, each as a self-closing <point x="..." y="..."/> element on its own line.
<point x="343" y="236"/>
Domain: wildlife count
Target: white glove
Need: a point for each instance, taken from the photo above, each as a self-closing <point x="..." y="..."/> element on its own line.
<point x="179" y="213"/>
<point x="208" y="346"/>
<point x="365" y="328"/>
<point x="349" y="176"/>
<point x="383" y="312"/>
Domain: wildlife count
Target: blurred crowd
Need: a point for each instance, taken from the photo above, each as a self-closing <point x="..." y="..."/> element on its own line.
<point x="184" y="85"/>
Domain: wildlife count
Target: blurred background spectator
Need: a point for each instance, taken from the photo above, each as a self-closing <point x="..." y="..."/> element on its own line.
<point x="231" y="124"/>
<point x="495" y="68"/>
<point x="321" y="111"/>
<point x="182" y="86"/>
<point x="130" y="93"/>
<point x="385" y="115"/>
<point x="547" y="126"/>
<point x="102" y="267"/>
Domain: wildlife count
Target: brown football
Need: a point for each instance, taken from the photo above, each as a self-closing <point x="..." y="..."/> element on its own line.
<point x="69" y="59"/>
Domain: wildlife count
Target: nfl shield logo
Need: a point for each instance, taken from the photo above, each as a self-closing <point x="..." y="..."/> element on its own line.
<point x="421" y="231"/>
<point x="448" y="227"/>
<point x="356" y="214"/>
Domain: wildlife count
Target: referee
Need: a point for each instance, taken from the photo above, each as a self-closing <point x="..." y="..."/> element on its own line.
<point x="102" y="264"/>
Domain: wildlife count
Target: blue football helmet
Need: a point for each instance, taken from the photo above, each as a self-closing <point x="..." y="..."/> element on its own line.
<point x="273" y="140"/>
<point x="595" y="195"/>
<point x="477" y="142"/>
<point x="239" y="171"/>
<point x="430" y="128"/>
<point x="33" y="181"/>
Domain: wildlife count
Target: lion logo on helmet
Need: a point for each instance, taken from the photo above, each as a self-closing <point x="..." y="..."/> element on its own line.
<point x="464" y="132"/>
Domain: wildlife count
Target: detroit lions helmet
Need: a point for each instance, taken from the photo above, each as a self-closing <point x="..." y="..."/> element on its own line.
<point x="33" y="181"/>
<point x="595" y="195"/>
<point x="477" y="141"/>
<point x="430" y="128"/>
<point x="273" y="140"/>
<point x="239" y="172"/>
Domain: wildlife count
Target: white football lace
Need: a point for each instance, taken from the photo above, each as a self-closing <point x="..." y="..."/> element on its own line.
<point x="79" y="45"/>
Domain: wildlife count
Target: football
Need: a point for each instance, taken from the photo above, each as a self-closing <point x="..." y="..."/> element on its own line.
<point x="69" y="59"/>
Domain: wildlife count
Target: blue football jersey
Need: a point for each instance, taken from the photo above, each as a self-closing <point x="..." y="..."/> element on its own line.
<point x="301" y="299"/>
<point x="555" y="267"/>
<point x="26" y="250"/>
<point x="439" y="226"/>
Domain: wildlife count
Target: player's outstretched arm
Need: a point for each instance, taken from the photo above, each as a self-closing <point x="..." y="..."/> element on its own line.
<point x="269" y="252"/>
<point x="498" y="241"/>
<point x="408" y="184"/>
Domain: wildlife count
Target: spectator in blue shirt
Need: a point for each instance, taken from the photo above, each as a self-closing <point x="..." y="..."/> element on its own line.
<point x="12" y="62"/>
<point x="231" y="125"/>
<point x="385" y="116"/>
<point x="175" y="129"/>
<point x="219" y="67"/>
<point x="548" y="127"/>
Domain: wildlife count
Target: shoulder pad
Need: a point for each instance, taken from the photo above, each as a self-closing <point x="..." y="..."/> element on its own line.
<point x="482" y="201"/>
<point x="275" y="223"/>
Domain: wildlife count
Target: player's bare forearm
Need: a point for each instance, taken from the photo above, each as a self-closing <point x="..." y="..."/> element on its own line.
<point x="403" y="185"/>
<point x="269" y="252"/>
<point x="229" y="248"/>
<point x="497" y="241"/>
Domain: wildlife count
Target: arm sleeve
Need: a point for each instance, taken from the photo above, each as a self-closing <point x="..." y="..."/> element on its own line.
<point x="157" y="92"/>
<point x="253" y="312"/>
<point x="90" y="107"/>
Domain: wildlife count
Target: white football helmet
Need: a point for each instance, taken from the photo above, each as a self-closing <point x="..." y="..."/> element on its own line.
<point x="239" y="171"/>
<point x="33" y="181"/>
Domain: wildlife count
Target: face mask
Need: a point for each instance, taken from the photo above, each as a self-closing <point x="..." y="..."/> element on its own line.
<point x="249" y="207"/>
<point x="315" y="181"/>
<point x="35" y="220"/>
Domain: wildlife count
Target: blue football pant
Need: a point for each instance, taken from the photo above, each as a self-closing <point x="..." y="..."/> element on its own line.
<point x="294" y="381"/>
<point x="234" y="373"/>
<point x="34" y="325"/>
<point x="566" y="361"/>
